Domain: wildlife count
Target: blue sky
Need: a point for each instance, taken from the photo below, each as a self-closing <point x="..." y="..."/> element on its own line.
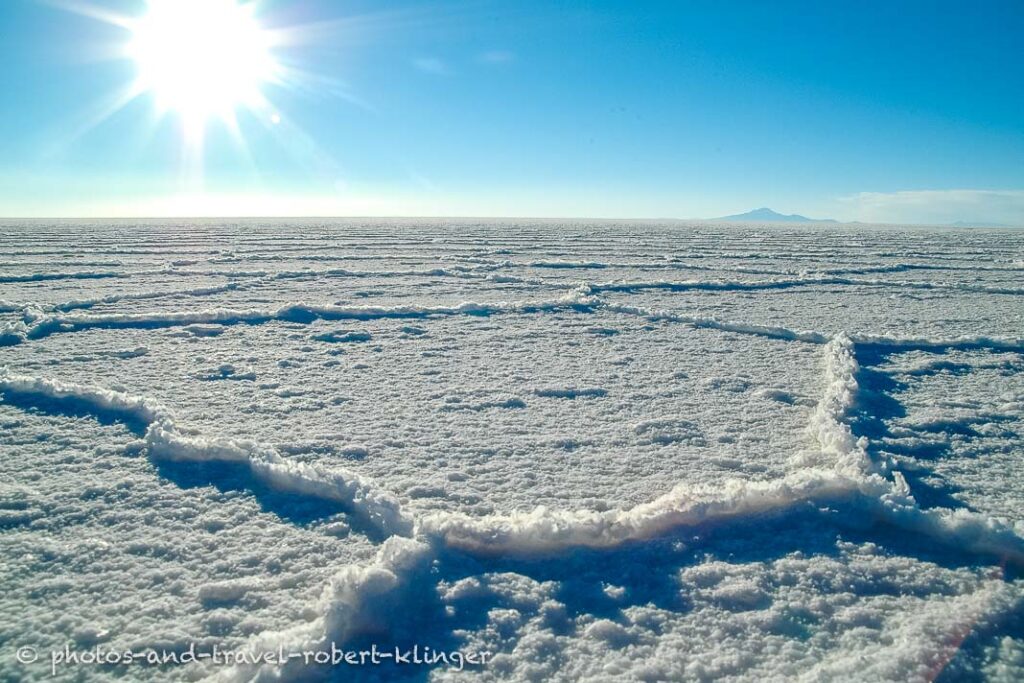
<point x="906" y="112"/>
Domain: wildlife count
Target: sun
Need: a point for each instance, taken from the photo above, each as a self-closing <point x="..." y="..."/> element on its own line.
<point x="202" y="58"/>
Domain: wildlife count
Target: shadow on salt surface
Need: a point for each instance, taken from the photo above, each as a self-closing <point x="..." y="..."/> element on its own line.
<point x="567" y="596"/>
<point x="875" y="409"/>
<point x="74" y="407"/>
<point x="899" y="384"/>
<point x="832" y="309"/>
<point x="288" y="507"/>
<point x="225" y="477"/>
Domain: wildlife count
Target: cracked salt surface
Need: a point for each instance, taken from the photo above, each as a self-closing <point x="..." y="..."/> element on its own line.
<point x="608" y="451"/>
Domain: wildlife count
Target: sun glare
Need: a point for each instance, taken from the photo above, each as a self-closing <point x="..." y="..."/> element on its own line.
<point x="203" y="63"/>
<point x="202" y="58"/>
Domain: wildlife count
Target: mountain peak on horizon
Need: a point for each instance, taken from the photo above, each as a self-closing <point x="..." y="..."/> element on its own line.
<point x="765" y="214"/>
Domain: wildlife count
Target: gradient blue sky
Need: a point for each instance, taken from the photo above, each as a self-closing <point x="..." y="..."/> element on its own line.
<point x="904" y="111"/>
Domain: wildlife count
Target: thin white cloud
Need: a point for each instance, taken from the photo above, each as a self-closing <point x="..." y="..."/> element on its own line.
<point x="431" y="65"/>
<point x="937" y="206"/>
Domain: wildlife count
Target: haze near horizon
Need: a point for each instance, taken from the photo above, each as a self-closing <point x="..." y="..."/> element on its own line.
<point x="584" y="109"/>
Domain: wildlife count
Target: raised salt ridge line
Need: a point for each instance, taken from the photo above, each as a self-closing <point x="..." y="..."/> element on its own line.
<point x="355" y="594"/>
<point x="164" y="440"/>
<point x="13" y="332"/>
<point x="122" y="406"/>
<point x="843" y="473"/>
<point x="963" y="342"/>
<point x="961" y="528"/>
<point x="547" y="531"/>
<point x="904" y="267"/>
<point x="567" y="265"/>
<point x="789" y="283"/>
<point x="662" y="263"/>
<point x="37" y="324"/>
<point x="479" y="271"/>
<point x="846" y="474"/>
<point x="356" y="599"/>
<point x="74" y="275"/>
<point x="812" y="337"/>
<point x="139" y="296"/>
<point x="321" y="258"/>
<point x="853" y="483"/>
<point x="953" y="286"/>
<point x="256" y="276"/>
<point x="354" y="591"/>
<point x="715" y="285"/>
<point x="352" y="600"/>
<point x="41" y="325"/>
<point x="827" y="424"/>
<point x="772" y="331"/>
<point x="465" y="272"/>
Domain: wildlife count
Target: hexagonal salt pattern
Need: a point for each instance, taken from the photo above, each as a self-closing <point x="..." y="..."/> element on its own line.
<point x="596" y="451"/>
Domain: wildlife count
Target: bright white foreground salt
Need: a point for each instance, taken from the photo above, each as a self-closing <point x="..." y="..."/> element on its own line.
<point x="599" y="451"/>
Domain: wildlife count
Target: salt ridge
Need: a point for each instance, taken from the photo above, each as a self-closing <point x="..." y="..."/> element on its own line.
<point x="845" y="477"/>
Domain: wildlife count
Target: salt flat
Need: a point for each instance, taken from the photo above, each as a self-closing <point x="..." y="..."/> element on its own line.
<point x="598" y="450"/>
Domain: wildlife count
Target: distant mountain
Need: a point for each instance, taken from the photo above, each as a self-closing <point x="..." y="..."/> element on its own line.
<point x="766" y="215"/>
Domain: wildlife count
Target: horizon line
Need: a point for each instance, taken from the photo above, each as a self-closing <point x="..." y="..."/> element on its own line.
<point x="720" y="219"/>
